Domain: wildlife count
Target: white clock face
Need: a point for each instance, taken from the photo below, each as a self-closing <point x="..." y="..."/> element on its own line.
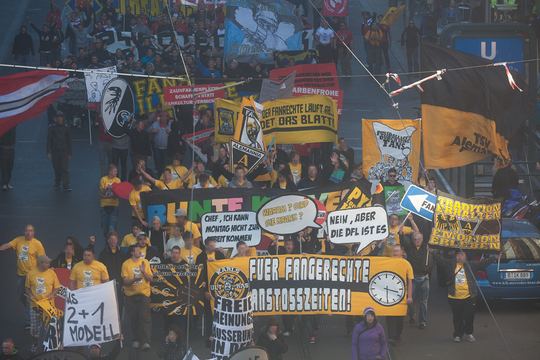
<point x="387" y="288"/>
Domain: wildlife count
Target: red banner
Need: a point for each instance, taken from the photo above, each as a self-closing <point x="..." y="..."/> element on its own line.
<point x="63" y="277"/>
<point x="336" y="8"/>
<point x="313" y="79"/>
<point x="183" y="95"/>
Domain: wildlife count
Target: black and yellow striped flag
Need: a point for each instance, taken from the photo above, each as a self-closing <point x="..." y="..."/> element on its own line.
<point x="470" y="113"/>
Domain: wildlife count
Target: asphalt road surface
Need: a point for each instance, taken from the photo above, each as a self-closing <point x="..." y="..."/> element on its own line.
<point x="512" y="331"/>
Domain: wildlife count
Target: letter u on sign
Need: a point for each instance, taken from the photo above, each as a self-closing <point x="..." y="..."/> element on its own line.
<point x="492" y="52"/>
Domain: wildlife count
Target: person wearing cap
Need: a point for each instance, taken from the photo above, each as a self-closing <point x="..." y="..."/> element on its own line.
<point x="368" y="338"/>
<point x="137" y="212"/>
<point x="272" y="340"/>
<point x="185" y="225"/>
<point x="59" y="151"/>
<point x="88" y="272"/>
<point x="41" y="283"/>
<point x="148" y="251"/>
<point x="136" y="277"/>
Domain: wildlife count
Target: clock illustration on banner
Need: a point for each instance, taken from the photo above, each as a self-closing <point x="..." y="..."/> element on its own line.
<point x="387" y="288"/>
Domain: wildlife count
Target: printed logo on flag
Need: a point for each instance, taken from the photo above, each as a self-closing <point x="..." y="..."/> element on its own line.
<point x="230" y="283"/>
<point x="117" y="108"/>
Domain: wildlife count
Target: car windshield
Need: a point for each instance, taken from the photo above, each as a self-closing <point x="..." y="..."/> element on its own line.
<point x="521" y="248"/>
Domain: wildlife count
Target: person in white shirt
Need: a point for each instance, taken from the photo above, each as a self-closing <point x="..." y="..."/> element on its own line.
<point x="174" y="240"/>
<point x="325" y="38"/>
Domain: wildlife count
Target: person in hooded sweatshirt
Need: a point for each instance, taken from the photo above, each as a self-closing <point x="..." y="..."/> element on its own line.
<point x="368" y="338"/>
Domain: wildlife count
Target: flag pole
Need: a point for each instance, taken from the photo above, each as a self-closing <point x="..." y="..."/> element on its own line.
<point x="89" y="125"/>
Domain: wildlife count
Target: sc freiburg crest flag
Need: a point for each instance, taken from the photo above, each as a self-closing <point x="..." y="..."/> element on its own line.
<point x="470" y="113"/>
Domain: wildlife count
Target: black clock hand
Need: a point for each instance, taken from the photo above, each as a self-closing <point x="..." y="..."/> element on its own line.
<point x="395" y="291"/>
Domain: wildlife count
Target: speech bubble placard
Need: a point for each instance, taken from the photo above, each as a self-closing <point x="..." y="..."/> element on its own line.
<point x="228" y="228"/>
<point x="288" y="214"/>
<point x="362" y="226"/>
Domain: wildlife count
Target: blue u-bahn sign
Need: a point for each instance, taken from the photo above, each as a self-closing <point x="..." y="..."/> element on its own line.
<point x="496" y="49"/>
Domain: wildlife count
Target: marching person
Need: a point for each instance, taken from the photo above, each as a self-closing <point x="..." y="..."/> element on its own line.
<point x="462" y="292"/>
<point x="108" y="201"/>
<point x="368" y="339"/>
<point x="175" y="240"/>
<point x="421" y="261"/>
<point x="157" y="235"/>
<point x="88" y="272"/>
<point x="148" y="251"/>
<point x="137" y="276"/>
<point x="185" y="225"/>
<point x="137" y="212"/>
<point x="41" y="283"/>
<point x="410" y="38"/>
<point x="395" y="323"/>
<point x="113" y="258"/>
<point x="189" y="253"/>
<point x="272" y="340"/>
<point x="396" y="230"/>
<point x="66" y="259"/>
<point x="23" y="46"/>
<point x="59" y="151"/>
<point x="7" y="157"/>
<point x="27" y="249"/>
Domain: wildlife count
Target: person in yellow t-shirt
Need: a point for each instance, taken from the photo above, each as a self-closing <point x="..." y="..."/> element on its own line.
<point x="137" y="212"/>
<point x="193" y="178"/>
<point x="108" y="200"/>
<point x="185" y="225"/>
<point x="396" y="230"/>
<point x="27" y="249"/>
<point x="188" y="252"/>
<point x="395" y="323"/>
<point x="461" y="296"/>
<point x="131" y="238"/>
<point x="41" y="283"/>
<point x="296" y="167"/>
<point x="88" y="272"/>
<point x="168" y="183"/>
<point x="136" y="278"/>
<point x="178" y="171"/>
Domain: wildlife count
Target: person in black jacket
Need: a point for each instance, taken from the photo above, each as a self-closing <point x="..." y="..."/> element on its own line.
<point x="7" y="157"/>
<point x="59" y="151"/>
<point x="113" y="258"/>
<point x="45" y="44"/>
<point x="209" y="254"/>
<point x="140" y="143"/>
<point x="67" y="258"/>
<point x="462" y="292"/>
<point x="23" y="46"/>
<point x="273" y="341"/>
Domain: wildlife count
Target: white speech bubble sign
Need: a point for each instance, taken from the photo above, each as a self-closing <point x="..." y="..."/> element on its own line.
<point x="228" y="228"/>
<point x="288" y="214"/>
<point x="361" y="226"/>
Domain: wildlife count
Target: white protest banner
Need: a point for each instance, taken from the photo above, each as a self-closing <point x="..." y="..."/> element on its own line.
<point x="91" y="315"/>
<point x="288" y="214"/>
<point x="362" y="226"/>
<point x="251" y="353"/>
<point x="96" y="81"/>
<point x="228" y="228"/>
<point x="232" y="328"/>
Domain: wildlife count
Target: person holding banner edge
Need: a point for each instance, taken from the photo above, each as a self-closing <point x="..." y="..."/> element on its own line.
<point x="136" y="278"/>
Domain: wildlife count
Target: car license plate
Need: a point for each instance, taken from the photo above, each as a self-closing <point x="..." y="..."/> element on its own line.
<point x="518" y="275"/>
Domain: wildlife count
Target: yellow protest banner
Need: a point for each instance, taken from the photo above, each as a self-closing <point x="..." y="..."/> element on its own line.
<point x="49" y="309"/>
<point x="303" y="119"/>
<point x="225" y="115"/>
<point x="390" y="144"/>
<point x="313" y="284"/>
<point x="466" y="223"/>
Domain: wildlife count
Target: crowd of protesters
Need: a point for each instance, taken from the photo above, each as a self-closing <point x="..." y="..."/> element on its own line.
<point x="153" y="156"/>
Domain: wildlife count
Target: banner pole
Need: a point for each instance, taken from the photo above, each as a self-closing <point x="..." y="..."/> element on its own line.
<point x="89" y="126"/>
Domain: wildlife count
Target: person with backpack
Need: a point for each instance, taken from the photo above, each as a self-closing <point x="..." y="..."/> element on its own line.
<point x="368" y="338"/>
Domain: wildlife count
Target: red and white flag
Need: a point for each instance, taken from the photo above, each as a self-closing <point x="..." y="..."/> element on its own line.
<point x="25" y="95"/>
<point x="336" y="8"/>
